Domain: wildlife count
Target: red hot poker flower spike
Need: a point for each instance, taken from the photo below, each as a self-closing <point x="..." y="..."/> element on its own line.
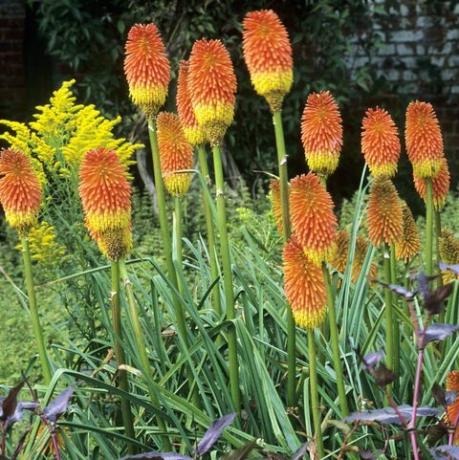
<point x="147" y="68"/>
<point x="380" y="142"/>
<point x="440" y="186"/>
<point x="322" y="133"/>
<point x="20" y="190"/>
<point x="268" y="55"/>
<point x="212" y="86"/>
<point x="304" y="287"/>
<point x="175" y="153"/>
<point x="424" y="142"/>
<point x="106" y="198"/>
<point x="313" y="220"/>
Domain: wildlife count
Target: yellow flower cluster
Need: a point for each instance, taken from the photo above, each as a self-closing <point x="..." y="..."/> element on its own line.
<point x="44" y="247"/>
<point x="63" y="131"/>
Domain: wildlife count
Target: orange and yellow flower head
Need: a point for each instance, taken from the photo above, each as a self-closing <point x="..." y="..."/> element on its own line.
<point x="193" y="132"/>
<point x="452" y="384"/>
<point x="423" y="139"/>
<point x="322" y="133"/>
<point x="304" y="287"/>
<point x="147" y="68"/>
<point x="20" y="190"/>
<point x="106" y="198"/>
<point x="384" y="214"/>
<point x="175" y="154"/>
<point x="313" y="220"/>
<point x="380" y="142"/>
<point x="449" y="253"/>
<point x="212" y="85"/>
<point x="409" y="244"/>
<point x="268" y="55"/>
<point x="440" y="186"/>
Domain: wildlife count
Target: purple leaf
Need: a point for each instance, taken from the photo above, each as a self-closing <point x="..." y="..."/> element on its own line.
<point x="157" y="456"/>
<point x="439" y="331"/>
<point x="58" y="405"/>
<point x="403" y="292"/>
<point x="388" y="415"/>
<point x="369" y="455"/>
<point x="371" y="360"/>
<point x="301" y="452"/>
<point x="454" y="268"/>
<point x="445" y="453"/>
<point x="214" y="432"/>
<point x="18" y="413"/>
<point x="450" y="397"/>
<point x="434" y="300"/>
<point x="10" y="402"/>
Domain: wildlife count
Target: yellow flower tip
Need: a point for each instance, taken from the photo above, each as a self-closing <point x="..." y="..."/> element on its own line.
<point x="268" y="55"/>
<point x="408" y="246"/>
<point x="380" y="142"/>
<point x="313" y="220"/>
<point x="212" y="87"/>
<point x="106" y="199"/>
<point x="449" y="253"/>
<point x="423" y="139"/>
<point x="440" y="185"/>
<point x="147" y="68"/>
<point x="452" y="384"/>
<point x="176" y="154"/>
<point x="193" y="132"/>
<point x="384" y="214"/>
<point x="304" y="287"/>
<point x="20" y="190"/>
<point x="322" y="133"/>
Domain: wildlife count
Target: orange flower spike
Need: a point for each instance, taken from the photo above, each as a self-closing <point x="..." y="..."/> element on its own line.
<point x="385" y="214"/>
<point x="193" y="132"/>
<point x="322" y="133"/>
<point x="440" y="186"/>
<point x="409" y="244"/>
<point x="380" y="142"/>
<point x="20" y="190"/>
<point x="268" y="55"/>
<point x="106" y="198"/>
<point x="424" y="142"/>
<point x="452" y="384"/>
<point x="313" y="220"/>
<point x="175" y="153"/>
<point x="212" y="86"/>
<point x="304" y="287"/>
<point x="147" y="68"/>
<point x="276" y="204"/>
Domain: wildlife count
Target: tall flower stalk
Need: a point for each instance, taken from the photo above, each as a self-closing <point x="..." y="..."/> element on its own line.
<point x="385" y="227"/>
<point x="424" y="146"/>
<point x="305" y="290"/>
<point x="106" y="199"/>
<point x="268" y="55"/>
<point x="195" y="135"/>
<point x="20" y="196"/>
<point x="212" y="86"/>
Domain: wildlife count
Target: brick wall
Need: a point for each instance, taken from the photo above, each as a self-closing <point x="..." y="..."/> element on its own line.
<point x="419" y="54"/>
<point x="12" y="73"/>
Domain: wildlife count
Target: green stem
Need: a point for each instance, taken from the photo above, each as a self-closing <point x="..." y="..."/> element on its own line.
<point x="141" y="348"/>
<point x="438" y="231"/>
<point x="283" y="185"/>
<point x="389" y="310"/>
<point x="164" y="225"/>
<point x="227" y="277"/>
<point x="396" y="327"/>
<point x="178" y="233"/>
<point x="37" y="330"/>
<point x="335" y="343"/>
<point x="204" y="170"/>
<point x="429" y="229"/>
<point x="315" y="394"/>
<point x="119" y="353"/>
